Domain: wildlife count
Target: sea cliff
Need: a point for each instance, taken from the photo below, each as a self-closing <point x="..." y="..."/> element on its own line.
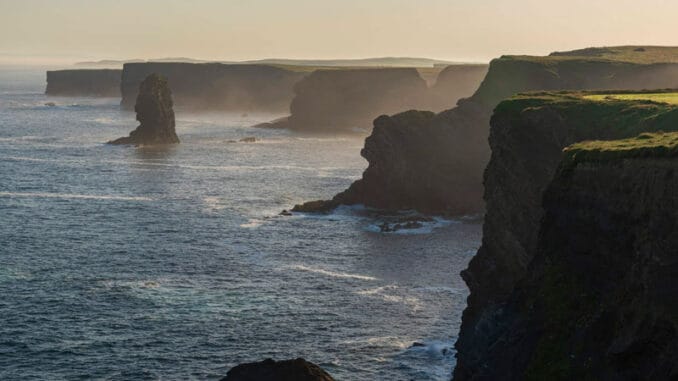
<point x="527" y="136"/>
<point x="349" y="99"/>
<point x="463" y="131"/>
<point x="98" y="83"/>
<point x="214" y="86"/>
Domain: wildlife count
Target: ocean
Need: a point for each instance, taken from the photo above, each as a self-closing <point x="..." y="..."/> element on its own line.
<point x="127" y="263"/>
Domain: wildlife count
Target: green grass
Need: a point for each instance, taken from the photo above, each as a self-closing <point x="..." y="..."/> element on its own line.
<point x="647" y="144"/>
<point x="664" y="97"/>
<point x="630" y="54"/>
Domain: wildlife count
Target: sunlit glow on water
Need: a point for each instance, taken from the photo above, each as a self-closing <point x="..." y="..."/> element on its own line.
<point x="137" y="263"/>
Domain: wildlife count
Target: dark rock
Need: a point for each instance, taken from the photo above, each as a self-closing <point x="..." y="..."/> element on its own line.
<point x="319" y="206"/>
<point x="270" y="370"/>
<point x="417" y="344"/>
<point x="154" y="113"/>
<point x="286" y="212"/>
<point x="249" y="139"/>
<point x="411" y="165"/>
<point x="50" y="104"/>
<point x="527" y="137"/>
<point x="599" y="299"/>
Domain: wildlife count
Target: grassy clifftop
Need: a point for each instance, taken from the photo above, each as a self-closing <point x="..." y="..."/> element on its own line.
<point x="660" y="144"/>
<point x="615" y="68"/>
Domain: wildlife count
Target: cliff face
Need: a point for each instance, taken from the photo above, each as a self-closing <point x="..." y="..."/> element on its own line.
<point x="411" y="170"/>
<point x="527" y="136"/>
<point x="346" y="100"/>
<point x="97" y="83"/>
<point x="213" y="86"/>
<point x="350" y="99"/>
<point x="454" y="83"/>
<point x="462" y="132"/>
<point x="509" y="75"/>
<point x="599" y="299"/>
<point x="154" y="113"/>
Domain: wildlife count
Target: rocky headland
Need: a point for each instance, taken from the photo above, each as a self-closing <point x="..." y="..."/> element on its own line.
<point x="460" y="134"/>
<point x="155" y="113"/>
<point x="575" y="301"/>
<point x="214" y="86"/>
<point x="348" y="100"/>
<point x="91" y="83"/>
<point x="270" y="370"/>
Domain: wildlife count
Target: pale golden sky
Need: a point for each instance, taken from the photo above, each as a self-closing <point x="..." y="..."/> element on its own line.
<point x="467" y="30"/>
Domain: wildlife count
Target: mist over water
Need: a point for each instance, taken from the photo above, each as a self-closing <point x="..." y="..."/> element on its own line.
<point x="172" y="263"/>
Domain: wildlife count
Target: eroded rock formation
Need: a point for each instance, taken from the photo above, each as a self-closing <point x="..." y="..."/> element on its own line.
<point x="154" y="113"/>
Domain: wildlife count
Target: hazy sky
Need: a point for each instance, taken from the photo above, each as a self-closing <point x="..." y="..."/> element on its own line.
<point x="467" y="30"/>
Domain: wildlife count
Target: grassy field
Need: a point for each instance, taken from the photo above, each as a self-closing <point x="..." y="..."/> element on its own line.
<point x="670" y="98"/>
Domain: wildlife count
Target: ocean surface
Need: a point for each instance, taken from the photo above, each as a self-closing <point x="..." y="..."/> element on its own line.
<point x="128" y="263"/>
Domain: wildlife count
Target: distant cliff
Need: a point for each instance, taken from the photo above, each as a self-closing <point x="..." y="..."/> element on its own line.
<point x="213" y="86"/>
<point x="342" y="100"/>
<point x="463" y="131"/>
<point x="527" y="136"/>
<point x="97" y="83"/>
<point x="454" y="83"/>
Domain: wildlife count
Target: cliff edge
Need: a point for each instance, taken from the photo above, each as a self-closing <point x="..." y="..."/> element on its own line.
<point x="527" y="136"/>
<point x="598" y="300"/>
<point x="462" y="132"/>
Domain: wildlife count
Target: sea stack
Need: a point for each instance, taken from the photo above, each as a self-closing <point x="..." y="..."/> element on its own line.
<point x="154" y="113"/>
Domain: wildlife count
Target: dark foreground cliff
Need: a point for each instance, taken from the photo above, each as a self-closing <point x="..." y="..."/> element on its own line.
<point x="214" y="86"/>
<point x="599" y="299"/>
<point x="270" y="370"/>
<point x="527" y="136"/>
<point x="460" y="134"/>
<point x="95" y="83"/>
<point x="155" y="113"/>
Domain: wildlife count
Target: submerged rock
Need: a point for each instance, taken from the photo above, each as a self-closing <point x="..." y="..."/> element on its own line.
<point x="248" y="139"/>
<point x="271" y="370"/>
<point x="318" y="206"/>
<point x="154" y="113"/>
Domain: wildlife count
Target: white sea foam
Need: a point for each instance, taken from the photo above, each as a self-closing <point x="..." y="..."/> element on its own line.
<point x="73" y="196"/>
<point x="427" y="227"/>
<point x="381" y="341"/>
<point x="252" y="223"/>
<point x="392" y="293"/>
<point x="333" y="274"/>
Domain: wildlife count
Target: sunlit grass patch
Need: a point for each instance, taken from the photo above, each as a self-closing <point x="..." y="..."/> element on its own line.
<point x="647" y="144"/>
<point x="665" y="97"/>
